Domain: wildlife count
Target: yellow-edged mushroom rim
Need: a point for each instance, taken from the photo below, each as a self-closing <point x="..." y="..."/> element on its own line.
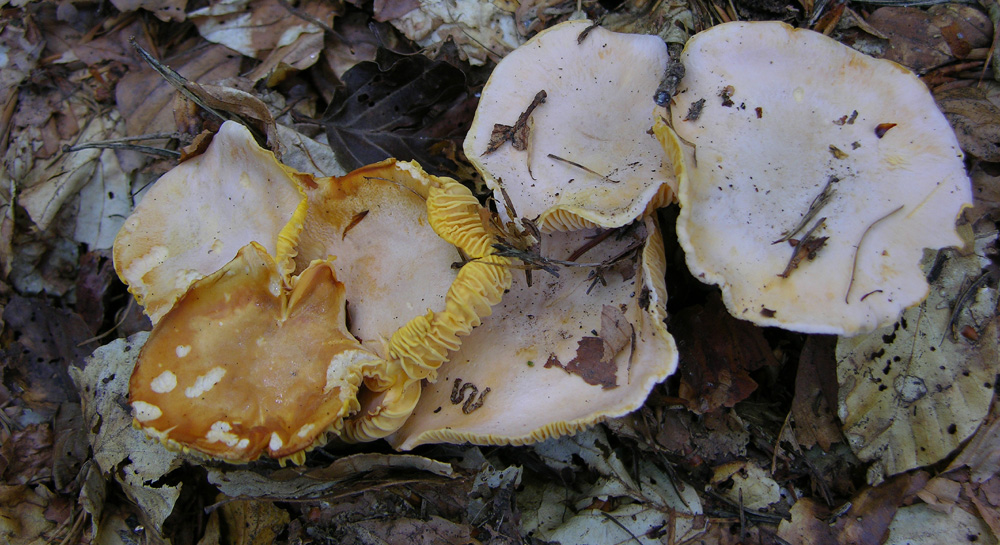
<point x="243" y="365"/>
<point x="564" y="126"/>
<point x="552" y="358"/>
<point x="816" y="179"/>
<point x="200" y="213"/>
<point x="400" y="237"/>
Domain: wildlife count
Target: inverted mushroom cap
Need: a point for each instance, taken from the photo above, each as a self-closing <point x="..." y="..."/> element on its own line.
<point x="785" y="121"/>
<point x="200" y="213"/>
<point x="597" y="113"/>
<point x="553" y="359"/>
<point x="243" y="366"/>
<point x="396" y="232"/>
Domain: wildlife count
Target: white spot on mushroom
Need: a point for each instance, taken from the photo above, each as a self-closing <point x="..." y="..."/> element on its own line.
<point x="216" y="247"/>
<point x="243" y="443"/>
<point x="182" y="350"/>
<point x="205" y="382"/>
<point x="261" y="341"/>
<point x="183" y="279"/>
<point x="165" y="383"/>
<point x="304" y="430"/>
<point x="144" y="412"/>
<point x="348" y="359"/>
<point x="245" y="180"/>
<point x="799" y="94"/>
<point x="155" y="257"/>
<point x="222" y="432"/>
<point x="276" y="442"/>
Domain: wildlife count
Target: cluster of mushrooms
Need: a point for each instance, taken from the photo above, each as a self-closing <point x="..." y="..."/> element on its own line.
<point x="389" y="303"/>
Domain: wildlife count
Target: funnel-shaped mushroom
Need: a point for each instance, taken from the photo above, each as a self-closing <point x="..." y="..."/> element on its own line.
<point x="242" y="365"/>
<point x="397" y="233"/>
<point x="561" y="354"/>
<point x="818" y="176"/>
<point x="563" y="126"/>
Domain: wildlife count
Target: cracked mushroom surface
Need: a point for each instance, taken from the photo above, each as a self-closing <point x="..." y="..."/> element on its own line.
<point x="817" y="177"/>
<point x="560" y="355"/>
<point x="396" y="233"/>
<point x="199" y="214"/>
<point x="243" y="365"/>
<point x="563" y="125"/>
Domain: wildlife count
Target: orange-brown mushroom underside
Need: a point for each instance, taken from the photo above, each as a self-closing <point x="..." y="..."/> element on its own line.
<point x="242" y="365"/>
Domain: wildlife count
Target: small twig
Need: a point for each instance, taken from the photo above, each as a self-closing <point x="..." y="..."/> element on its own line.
<point x="857" y="250"/>
<point x="804" y="249"/>
<point x="962" y="299"/>
<point x="579" y="166"/>
<point x="107" y="144"/>
<point x="814" y="207"/>
<point x="620" y="525"/>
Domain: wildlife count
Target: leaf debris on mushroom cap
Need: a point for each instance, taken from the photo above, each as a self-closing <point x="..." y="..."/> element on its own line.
<point x="596" y="115"/>
<point x="553" y="359"/>
<point x="243" y="365"/>
<point x="198" y="215"/>
<point x="760" y="166"/>
<point x="407" y="301"/>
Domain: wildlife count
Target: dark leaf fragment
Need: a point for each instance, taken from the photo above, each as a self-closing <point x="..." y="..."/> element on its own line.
<point x="517" y="133"/>
<point x="717" y="354"/>
<point x="595" y="356"/>
<point x="387" y="107"/>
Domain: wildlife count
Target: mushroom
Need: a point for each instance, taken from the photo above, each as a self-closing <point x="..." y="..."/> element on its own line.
<point x="369" y="240"/>
<point x="563" y="127"/>
<point x="561" y="354"/>
<point x="244" y="365"/>
<point x="200" y="213"/>
<point x="415" y="257"/>
<point x="815" y="178"/>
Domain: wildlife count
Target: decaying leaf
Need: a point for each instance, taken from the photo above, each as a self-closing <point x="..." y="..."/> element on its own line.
<point x="910" y="393"/>
<point x="518" y="133"/>
<point x="384" y="105"/>
<point x="22" y="515"/>
<point x="982" y="454"/>
<point x="121" y="451"/>
<point x="258" y="28"/>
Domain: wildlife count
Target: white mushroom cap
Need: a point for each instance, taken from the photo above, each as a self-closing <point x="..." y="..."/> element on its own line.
<point x="803" y="110"/>
<point x="197" y="217"/>
<point x="597" y="113"/>
<point x="612" y="339"/>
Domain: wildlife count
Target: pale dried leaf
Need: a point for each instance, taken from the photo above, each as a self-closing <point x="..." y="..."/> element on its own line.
<point x="120" y="450"/>
<point x="294" y="483"/>
<point x="921" y="525"/>
<point x="911" y="393"/>
<point x="22" y="515"/>
<point x="758" y="489"/>
<point x="164" y="10"/>
<point x="256" y="28"/>
<point x="105" y="202"/>
<point x="253" y="522"/>
<point x="481" y="30"/>
<point x="982" y="454"/>
<point x="307" y="155"/>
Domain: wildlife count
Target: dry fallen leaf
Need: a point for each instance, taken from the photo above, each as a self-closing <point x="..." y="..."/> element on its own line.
<point x="912" y="392"/>
<point x="482" y="30"/>
<point x="974" y="112"/>
<point x="814" y="405"/>
<point x="253" y="522"/>
<point x="122" y="452"/>
<point x="922" y="525"/>
<point x="164" y="10"/>
<point x="923" y="39"/>
<point x="750" y="485"/>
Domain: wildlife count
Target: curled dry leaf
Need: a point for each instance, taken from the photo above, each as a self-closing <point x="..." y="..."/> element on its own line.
<point x="482" y="30"/>
<point x="164" y="10"/>
<point x="912" y="392"/>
